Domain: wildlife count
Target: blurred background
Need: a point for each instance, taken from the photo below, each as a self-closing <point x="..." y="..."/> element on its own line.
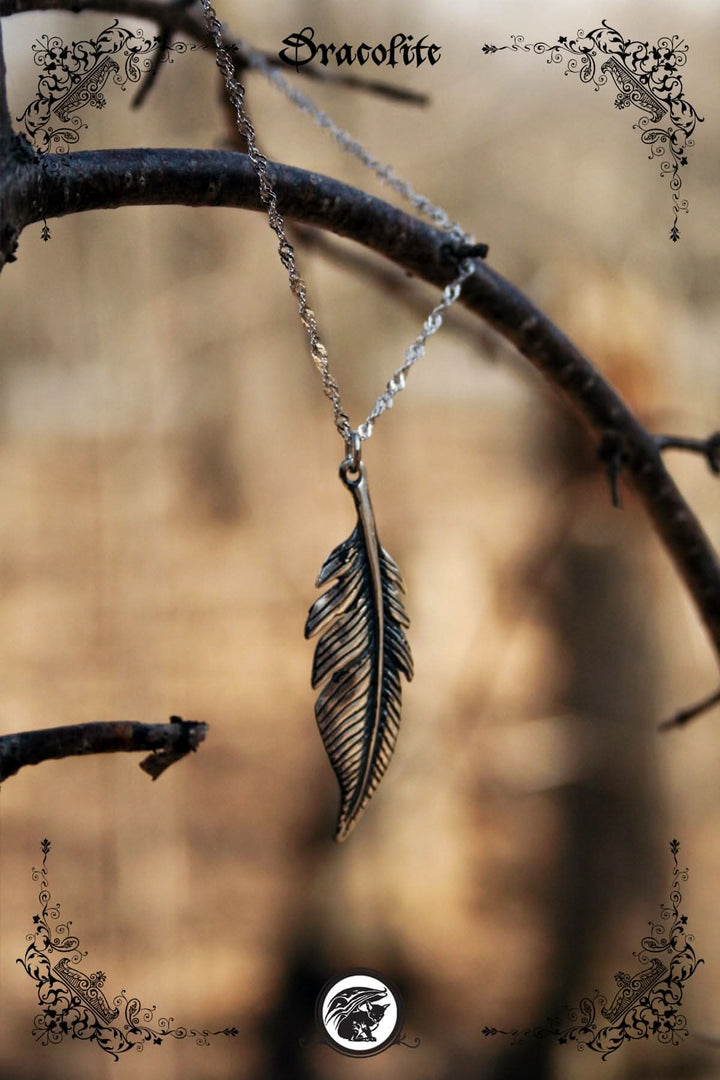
<point x="168" y="466"/>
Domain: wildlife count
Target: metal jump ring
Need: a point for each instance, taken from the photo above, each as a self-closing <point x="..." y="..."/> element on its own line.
<point x="354" y="451"/>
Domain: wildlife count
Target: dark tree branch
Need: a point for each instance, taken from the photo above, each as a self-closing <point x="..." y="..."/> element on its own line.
<point x="168" y="743"/>
<point x="691" y="712"/>
<point x="175" y="18"/>
<point x="95" y="180"/>
<point x="355" y="82"/>
<point x="709" y="448"/>
<point x="164" y="41"/>
<point x="14" y="153"/>
<point x="85" y="181"/>
<point x="7" y="135"/>
<point x="611" y="455"/>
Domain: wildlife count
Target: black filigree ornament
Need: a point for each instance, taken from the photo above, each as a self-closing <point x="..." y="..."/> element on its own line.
<point x="74" y="75"/>
<point x="73" y="1003"/>
<point x="647" y="1003"/>
<point x="646" y="77"/>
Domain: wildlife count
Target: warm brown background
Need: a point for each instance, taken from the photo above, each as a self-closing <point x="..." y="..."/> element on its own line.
<point x="169" y="491"/>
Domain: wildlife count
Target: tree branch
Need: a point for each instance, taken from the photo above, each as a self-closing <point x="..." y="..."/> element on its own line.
<point x="168" y="16"/>
<point x="14" y="153"/>
<point x="691" y="712"/>
<point x="94" y="180"/>
<point x="168" y="743"/>
<point x="164" y="41"/>
<point x="175" y="18"/>
<point x="7" y="135"/>
<point x="101" y="179"/>
<point x="709" y="448"/>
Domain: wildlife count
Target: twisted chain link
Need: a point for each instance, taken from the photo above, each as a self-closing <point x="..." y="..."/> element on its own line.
<point x="286" y="251"/>
<point x="422" y="204"/>
<point x="414" y="352"/>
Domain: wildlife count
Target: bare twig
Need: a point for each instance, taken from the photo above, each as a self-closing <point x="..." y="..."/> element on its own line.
<point x="164" y="41"/>
<point x="70" y="183"/>
<point x="168" y="743"/>
<point x="709" y="448"/>
<point x="174" y="18"/>
<point x="168" y="16"/>
<point x="85" y="181"/>
<point x="7" y="135"/>
<point x="14" y="153"/>
<point x="94" y="180"/>
<point x="691" y="712"/>
<point x="354" y="82"/>
<point x="610" y="453"/>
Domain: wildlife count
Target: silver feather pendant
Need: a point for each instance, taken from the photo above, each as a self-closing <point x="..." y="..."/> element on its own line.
<point x="360" y="655"/>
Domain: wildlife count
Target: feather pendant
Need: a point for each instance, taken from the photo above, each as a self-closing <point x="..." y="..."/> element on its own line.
<point x="359" y="657"/>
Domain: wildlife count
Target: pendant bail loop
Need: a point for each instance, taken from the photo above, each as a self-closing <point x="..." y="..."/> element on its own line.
<point x="354" y="451"/>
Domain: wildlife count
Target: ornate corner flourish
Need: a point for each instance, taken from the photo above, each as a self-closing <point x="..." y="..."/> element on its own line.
<point x="73" y="1003"/>
<point x="646" y="77"/>
<point x="646" y="1003"/>
<point x="73" y="76"/>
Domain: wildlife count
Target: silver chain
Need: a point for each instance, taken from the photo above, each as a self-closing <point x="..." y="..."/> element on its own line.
<point x="422" y="204"/>
<point x="286" y="251"/>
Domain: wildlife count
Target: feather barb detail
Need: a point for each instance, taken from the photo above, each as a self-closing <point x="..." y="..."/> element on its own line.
<point x="361" y="653"/>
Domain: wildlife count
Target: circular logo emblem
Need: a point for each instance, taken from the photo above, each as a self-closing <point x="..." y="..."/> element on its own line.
<point x="360" y="1013"/>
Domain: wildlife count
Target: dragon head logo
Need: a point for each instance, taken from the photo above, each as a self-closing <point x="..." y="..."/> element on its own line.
<point x="356" y="1012"/>
<point x="359" y="1013"/>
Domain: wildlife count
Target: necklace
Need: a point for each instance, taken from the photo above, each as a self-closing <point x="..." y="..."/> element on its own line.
<point x="362" y="649"/>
